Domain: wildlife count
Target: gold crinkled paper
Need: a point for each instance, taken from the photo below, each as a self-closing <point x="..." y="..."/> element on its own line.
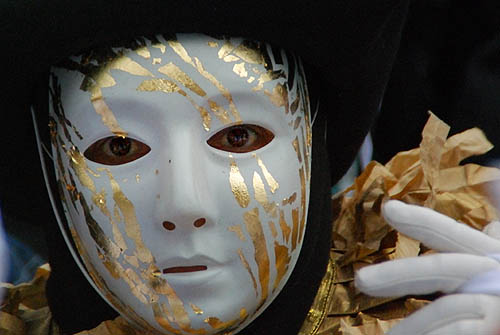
<point x="24" y="309"/>
<point x="430" y="176"/>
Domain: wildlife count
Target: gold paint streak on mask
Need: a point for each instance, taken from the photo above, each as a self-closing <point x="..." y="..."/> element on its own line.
<point x="182" y="53"/>
<point x="290" y="199"/>
<point x="116" y="214"/>
<point x="110" y="249"/>
<point x="249" y="55"/>
<point x="282" y="261"/>
<point x="219" y="112"/>
<point x="285" y="229"/>
<point x="295" y="105"/>
<point x="79" y="165"/>
<point x="240" y="70"/>
<point x="99" y="199"/>
<point x="167" y="86"/>
<point x="305" y="151"/>
<point x="197" y="310"/>
<point x="143" y="52"/>
<point x="77" y="132"/>
<point x="279" y="97"/>
<point x="128" y="65"/>
<point x="267" y="76"/>
<point x="217" y="324"/>
<point x="161" y="85"/>
<point x="156" y="61"/>
<point x="213" y="44"/>
<point x="295" y="229"/>
<point x="132" y="227"/>
<point x="108" y="264"/>
<point x="205" y="116"/>
<point x="180" y="315"/>
<point x="132" y="260"/>
<point x="274" y="232"/>
<point x="247" y="267"/>
<point x="302" y="202"/>
<point x="261" y="195"/>
<point x="254" y="229"/>
<point x="238" y="186"/>
<point x="225" y="50"/>
<point x="237" y="230"/>
<point x="225" y="93"/>
<point x="297" y="122"/>
<point x="251" y="79"/>
<point x="159" y="313"/>
<point x="273" y="184"/>
<point x="296" y="147"/>
<point x="176" y="73"/>
<point x="102" y="77"/>
<point x="307" y="114"/>
<point x="137" y="286"/>
<point x="137" y="178"/>
<point x="107" y="116"/>
<point x="231" y="58"/>
<point x="160" y="46"/>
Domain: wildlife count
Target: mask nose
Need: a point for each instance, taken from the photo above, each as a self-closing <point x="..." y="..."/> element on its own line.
<point x="185" y="202"/>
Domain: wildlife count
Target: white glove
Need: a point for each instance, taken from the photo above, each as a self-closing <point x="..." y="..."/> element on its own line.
<point x="467" y="269"/>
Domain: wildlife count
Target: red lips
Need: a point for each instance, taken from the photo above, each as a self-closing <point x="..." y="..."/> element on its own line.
<point x="182" y="269"/>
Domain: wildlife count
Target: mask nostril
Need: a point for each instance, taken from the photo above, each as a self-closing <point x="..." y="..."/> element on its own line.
<point x="200" y="222"/>
<point x="168" y="225"/>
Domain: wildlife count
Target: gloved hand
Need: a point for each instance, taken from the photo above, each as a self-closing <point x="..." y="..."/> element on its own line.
<point x="468" y="269"/>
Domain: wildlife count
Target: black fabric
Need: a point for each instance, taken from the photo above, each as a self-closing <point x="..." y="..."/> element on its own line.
<point x="347" y="47"/>
<point x="449" y="63"/>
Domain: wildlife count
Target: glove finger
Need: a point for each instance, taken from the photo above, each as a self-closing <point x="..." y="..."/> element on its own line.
<point x="492" y="229"/>
<point x="476" y="313"/>
<point x="486" y="282"/>
<point x="466" y="327"/>
<point x="438" y="231"/>
<point x="421" y="275"/>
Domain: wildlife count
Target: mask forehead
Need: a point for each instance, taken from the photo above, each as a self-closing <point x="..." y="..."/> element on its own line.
<point x="199" y="85"/>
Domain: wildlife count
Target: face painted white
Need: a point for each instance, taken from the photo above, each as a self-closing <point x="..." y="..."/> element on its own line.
<point x="133" y="221"/>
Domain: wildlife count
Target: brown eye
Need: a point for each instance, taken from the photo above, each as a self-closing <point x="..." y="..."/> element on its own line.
<point x="116" y="150"/>
<point x="241" y="138"/>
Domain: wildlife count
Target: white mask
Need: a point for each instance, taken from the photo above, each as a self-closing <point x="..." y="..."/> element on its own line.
<point x="184" y="169"/>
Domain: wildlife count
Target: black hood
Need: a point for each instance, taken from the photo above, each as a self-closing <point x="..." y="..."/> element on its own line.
<point x="347" y="49"/>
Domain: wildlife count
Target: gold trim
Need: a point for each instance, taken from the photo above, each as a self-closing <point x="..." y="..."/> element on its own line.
<point x="318" y="310"/>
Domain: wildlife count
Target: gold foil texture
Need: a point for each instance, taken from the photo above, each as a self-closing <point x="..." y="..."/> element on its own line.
<point x="255" y="230"/>
<point x="175" y="73"/>
<point x="247" y="267"/>
<point x="282" y="259"/>
<point x="237" y="230"/>
<point x="238" y="186"/>
<point x="273" y="184"/>
<point x="261" y="195"/>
